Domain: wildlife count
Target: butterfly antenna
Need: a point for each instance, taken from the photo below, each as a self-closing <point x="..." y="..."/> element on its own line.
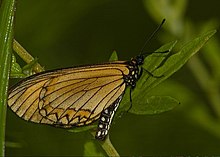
<point x="152" y="35"/>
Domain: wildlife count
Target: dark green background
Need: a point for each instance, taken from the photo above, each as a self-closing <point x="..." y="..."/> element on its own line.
<point x="76" y="32"/>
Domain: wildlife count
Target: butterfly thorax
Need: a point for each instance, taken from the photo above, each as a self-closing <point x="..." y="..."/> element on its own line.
<point x="134" y="71"/>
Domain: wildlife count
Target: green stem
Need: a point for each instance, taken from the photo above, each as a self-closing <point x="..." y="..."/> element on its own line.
<point x="109" y="148"/>
<point x="7" y="11"/>
<point x="26" y="56"/>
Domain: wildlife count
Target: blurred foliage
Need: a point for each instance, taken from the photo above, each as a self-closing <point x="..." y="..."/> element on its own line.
<point x="63" y="34"/>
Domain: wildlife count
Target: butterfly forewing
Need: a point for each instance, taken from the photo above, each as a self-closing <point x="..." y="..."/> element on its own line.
<point x="69" y="97"/>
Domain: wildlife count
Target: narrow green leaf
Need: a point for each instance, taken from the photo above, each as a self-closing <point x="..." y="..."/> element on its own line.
<point x="170" y="66"/>
<point x="6" y="36"/>
<point x="153" y="61"/>
<point x="176" y="61"/>
<point x="114" y="56"/>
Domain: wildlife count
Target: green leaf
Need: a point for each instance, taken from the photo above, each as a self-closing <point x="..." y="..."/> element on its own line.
<point x="154" y="60"/>
<point x="169" y="67"/>
<point x="155" y="105"/>
<point x="114" y="56"/>
<point x="176" y="61"/>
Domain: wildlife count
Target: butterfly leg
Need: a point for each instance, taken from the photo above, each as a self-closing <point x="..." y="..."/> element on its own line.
<point x="152" y="75"/>
<point x="106" y="119"/>
<point x="130" y="100"/>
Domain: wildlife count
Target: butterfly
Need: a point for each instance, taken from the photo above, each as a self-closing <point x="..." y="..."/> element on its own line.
<point x="76" y="96"/>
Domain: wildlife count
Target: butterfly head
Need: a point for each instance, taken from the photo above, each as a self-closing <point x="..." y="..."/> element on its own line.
<point x="139" y="60"/>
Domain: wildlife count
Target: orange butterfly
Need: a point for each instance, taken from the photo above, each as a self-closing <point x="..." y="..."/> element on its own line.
<point x="76" y="96"/>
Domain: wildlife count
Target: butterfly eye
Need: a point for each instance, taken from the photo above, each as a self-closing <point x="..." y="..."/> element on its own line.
<point x="140" y="59"/>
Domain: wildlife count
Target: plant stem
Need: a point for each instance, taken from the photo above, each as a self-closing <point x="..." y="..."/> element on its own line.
<point x="26" y="56"/>
<point x="109" y="148"/>
<point x="7" y="11"/>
